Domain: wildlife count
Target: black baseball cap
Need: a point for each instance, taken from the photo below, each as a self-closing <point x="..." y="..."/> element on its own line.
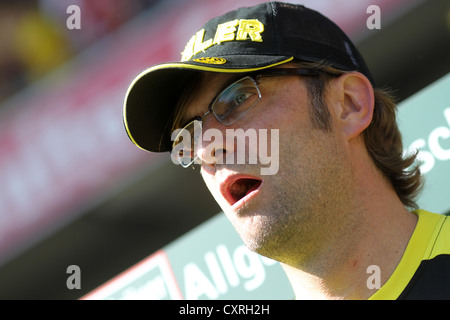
<point x="241" y="41"/>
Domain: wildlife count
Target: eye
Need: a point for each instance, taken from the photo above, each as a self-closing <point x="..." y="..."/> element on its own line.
<point x="241" y="98"/>
<point x="239" y="101"/>
<point x="235" y="100"/>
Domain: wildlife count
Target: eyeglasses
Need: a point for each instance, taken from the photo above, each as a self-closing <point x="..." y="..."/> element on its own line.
<point x="229" y="105"/>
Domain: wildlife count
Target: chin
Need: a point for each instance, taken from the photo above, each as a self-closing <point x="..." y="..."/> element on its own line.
<point x="258" y="234"/>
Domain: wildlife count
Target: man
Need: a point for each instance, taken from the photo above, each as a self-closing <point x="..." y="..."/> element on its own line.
<point x="337" y="201"/>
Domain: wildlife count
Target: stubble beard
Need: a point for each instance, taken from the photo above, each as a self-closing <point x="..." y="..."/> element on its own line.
<point x="304" y="222"/>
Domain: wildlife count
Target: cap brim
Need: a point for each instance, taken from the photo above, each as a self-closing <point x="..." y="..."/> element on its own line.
<point x="152" y="96"/>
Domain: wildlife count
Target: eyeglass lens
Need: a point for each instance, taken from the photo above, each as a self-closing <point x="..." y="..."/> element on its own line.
<point x="230" y="105"/>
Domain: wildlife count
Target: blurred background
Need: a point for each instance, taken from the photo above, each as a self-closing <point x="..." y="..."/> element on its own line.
<point x="73" y="188"/>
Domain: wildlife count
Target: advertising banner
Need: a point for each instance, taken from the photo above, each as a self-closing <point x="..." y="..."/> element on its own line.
<point x="209" y="262"/>
<point x="424" y="120"/>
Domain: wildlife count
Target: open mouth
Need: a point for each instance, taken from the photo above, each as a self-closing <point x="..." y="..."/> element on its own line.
<point x="240" y="188"/>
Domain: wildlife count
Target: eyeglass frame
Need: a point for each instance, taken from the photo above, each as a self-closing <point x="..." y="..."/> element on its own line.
<point x="255" y="77"/>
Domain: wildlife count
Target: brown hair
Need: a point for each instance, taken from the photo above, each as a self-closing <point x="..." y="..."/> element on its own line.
<point x="382" y="137"/>
<point x="191" y="86"/>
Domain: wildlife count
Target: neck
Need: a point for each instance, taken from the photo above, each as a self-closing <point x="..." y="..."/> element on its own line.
<point x="360" y="264"/>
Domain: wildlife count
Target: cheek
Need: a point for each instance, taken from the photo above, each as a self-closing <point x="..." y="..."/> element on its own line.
<point x="290" y="118"/>
<point x="285" y="106"/>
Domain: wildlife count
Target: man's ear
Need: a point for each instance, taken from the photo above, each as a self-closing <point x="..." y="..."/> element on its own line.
<point x="356" y="102"/>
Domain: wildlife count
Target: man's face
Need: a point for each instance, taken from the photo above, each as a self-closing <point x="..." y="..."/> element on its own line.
<point x="298" y="209"/>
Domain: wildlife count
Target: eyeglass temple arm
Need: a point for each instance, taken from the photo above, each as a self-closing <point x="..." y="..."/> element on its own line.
<point x="290" y="72"/>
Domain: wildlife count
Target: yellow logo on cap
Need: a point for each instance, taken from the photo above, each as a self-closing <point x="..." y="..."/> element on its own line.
<point x="211" y="60"/>
<point x="247" y="28"/>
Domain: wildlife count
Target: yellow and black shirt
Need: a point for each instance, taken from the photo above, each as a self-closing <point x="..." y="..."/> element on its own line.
<point x="424" y="271"/>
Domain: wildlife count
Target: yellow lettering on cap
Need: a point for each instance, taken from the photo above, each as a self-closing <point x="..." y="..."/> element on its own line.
<point x="252" y="28"/>
<point x="226" y="31"/>
<point x="195" y="45"/>
<point x="188" y="49"/>
<point x="199" y="45"/>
